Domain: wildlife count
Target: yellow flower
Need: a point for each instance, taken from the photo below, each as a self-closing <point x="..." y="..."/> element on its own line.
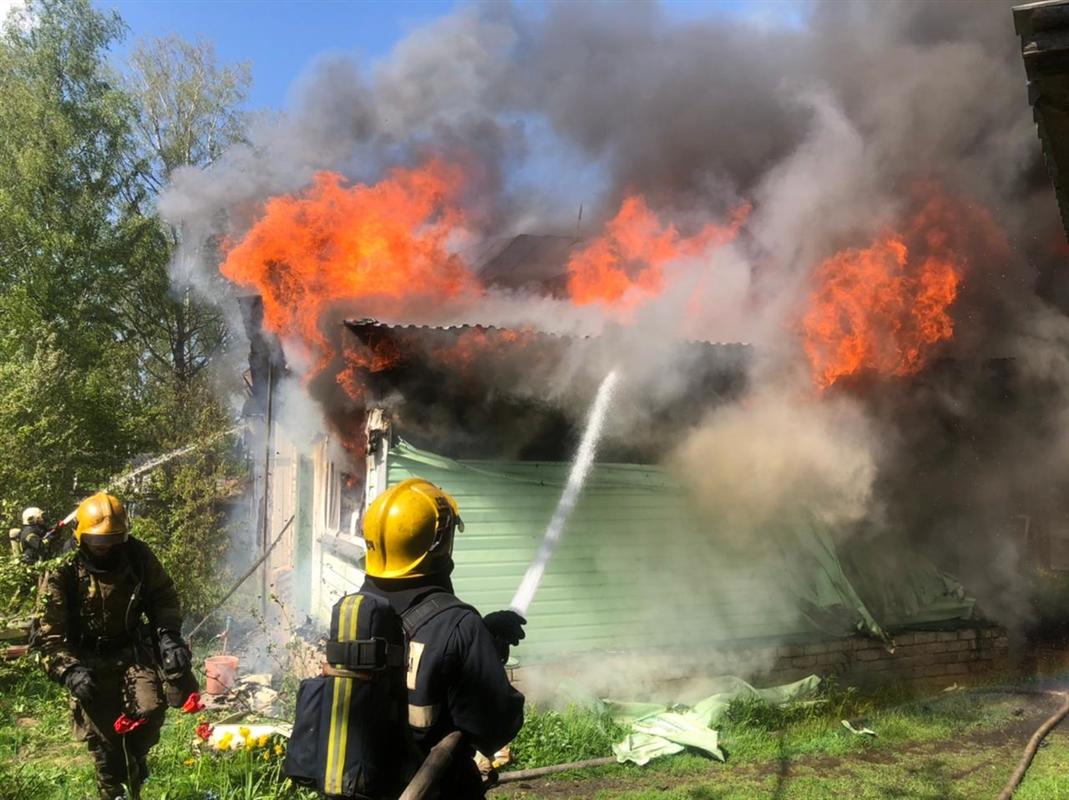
<point x="189" y="762"/>
<point x="279" y="750"/>
<point x="263" y="740"/>
<point x="225" y="740"/>
<point x="244" y="732"/>
<point x="266" y="755"/>
<point x="250" y="744"/>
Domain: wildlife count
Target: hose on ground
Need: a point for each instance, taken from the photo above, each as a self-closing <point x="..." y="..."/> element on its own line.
<point x="538" y="772"/>
<point x="1033" y="745"/>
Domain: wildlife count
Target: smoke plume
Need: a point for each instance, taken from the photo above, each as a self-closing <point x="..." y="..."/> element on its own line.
<point x="881" y="131"/>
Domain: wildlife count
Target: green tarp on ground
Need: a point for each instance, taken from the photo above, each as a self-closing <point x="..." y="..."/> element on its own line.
<point x="660" y="729"/>
<point x="638" y="570"/>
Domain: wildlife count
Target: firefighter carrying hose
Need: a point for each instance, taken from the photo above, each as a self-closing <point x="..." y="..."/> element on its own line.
<point x="108" y="627"/>
<point x="404" y="649"/>
<point x="455" y="668"/>
<point x="37" y="543"/>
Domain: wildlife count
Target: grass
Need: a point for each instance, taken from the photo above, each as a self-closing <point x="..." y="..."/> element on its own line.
<point x="39" y="758"/>
<point x="950" y="747"/>
<point x="560" y="737"/>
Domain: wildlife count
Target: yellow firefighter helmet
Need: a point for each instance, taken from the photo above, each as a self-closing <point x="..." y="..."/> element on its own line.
<point x="408" y="531"/>
<point x="101" y="520"/>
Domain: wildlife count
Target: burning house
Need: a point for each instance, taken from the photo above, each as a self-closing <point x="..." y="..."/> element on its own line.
<point x="449" y="403"/>
<point x="832" y="281"/>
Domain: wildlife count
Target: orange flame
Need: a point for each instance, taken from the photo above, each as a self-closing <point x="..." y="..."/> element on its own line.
<point x="475" y="347"/>
<point x="883" y="308"/>
<point x="627" y="261"/>
<point x="336" y="242"/>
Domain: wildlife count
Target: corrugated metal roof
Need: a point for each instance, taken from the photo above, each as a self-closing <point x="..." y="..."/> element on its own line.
<point x="369" y="324"/>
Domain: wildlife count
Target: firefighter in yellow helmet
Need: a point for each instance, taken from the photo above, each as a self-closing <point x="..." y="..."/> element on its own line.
<point x="456" y="674"/>
<point x="110" y="621"/>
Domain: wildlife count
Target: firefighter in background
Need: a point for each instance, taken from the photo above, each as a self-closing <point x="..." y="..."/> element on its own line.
<point x="455" y="673"/>
<point x="110" y="621"/>
<point x="35" y="542"/>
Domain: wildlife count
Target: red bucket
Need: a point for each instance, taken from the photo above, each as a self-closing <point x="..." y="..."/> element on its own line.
<point x="221" y="672"/>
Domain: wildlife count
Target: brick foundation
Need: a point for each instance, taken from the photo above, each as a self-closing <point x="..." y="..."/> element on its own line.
<point x="919" y="657"/>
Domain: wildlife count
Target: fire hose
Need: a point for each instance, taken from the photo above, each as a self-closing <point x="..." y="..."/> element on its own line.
<point x="429" y="773"/>
<point x="541" y="772"/>
<point x="146" y="468"/>
<point x="241" y="580"/>
<point x="1033" y="745"/>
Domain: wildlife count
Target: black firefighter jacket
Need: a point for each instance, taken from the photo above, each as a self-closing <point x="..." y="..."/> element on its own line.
<point x="456" y="681"/>
<point x="97" y="612"/>
<point x="32" y="541"/>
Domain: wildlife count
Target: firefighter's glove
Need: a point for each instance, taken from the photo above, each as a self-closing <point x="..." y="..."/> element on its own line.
<point x="175" y="656"/>
<point x="79" y="682"/>
<point x="53" y="534"/>
<point x="507" y="629"/>
<point x="506" y="626"/>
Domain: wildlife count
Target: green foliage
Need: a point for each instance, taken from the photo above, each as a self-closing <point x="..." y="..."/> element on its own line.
<point x="68" y="396"/>
<point x="185" y="110"/>
<point x="101" y="362"/>
<point x="60" y="426"/>
<point x="188" y="105"/>
<point x="254" y="774"/>
<point x="556" y="737"/>
<point x="833" y="705"/>
<point x="17" y="582"/>
<point x="64" y="219"/>
<point x="181" y="507"/>
<point x="958" y="745"/>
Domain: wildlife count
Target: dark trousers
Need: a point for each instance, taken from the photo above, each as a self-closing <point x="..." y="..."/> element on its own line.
<point x="123" y="686"/>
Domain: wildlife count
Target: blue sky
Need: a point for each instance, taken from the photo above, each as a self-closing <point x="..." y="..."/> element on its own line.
<point x="281" y="38"/>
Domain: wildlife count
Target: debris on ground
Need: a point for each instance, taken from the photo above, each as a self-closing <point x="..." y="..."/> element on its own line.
<point x="659" y="730"/>
<point x="858" y="731"/>
<point x="250" y="693"/>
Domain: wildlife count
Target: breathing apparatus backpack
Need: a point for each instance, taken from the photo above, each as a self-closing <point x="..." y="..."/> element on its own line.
<point x="351" y="737"/>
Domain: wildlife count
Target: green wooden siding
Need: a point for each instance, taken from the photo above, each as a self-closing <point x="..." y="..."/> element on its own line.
<point x="638" y="570"/>
<point x="614" y="582"/>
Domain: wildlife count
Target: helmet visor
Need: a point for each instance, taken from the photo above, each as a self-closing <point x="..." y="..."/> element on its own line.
<point x="100" y="543"/>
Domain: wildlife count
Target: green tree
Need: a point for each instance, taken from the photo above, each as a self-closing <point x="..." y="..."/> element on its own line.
<point x="65" y="220"/>
<point x="183" y="508"/>
<point x="188" y="106"/>
<point x="187" y="111"/>
<point x="70" y="388"/>
<point x="88" y="378"/>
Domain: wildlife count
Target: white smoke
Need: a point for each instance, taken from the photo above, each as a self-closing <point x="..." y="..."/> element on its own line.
<point x="774" y="457"/>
